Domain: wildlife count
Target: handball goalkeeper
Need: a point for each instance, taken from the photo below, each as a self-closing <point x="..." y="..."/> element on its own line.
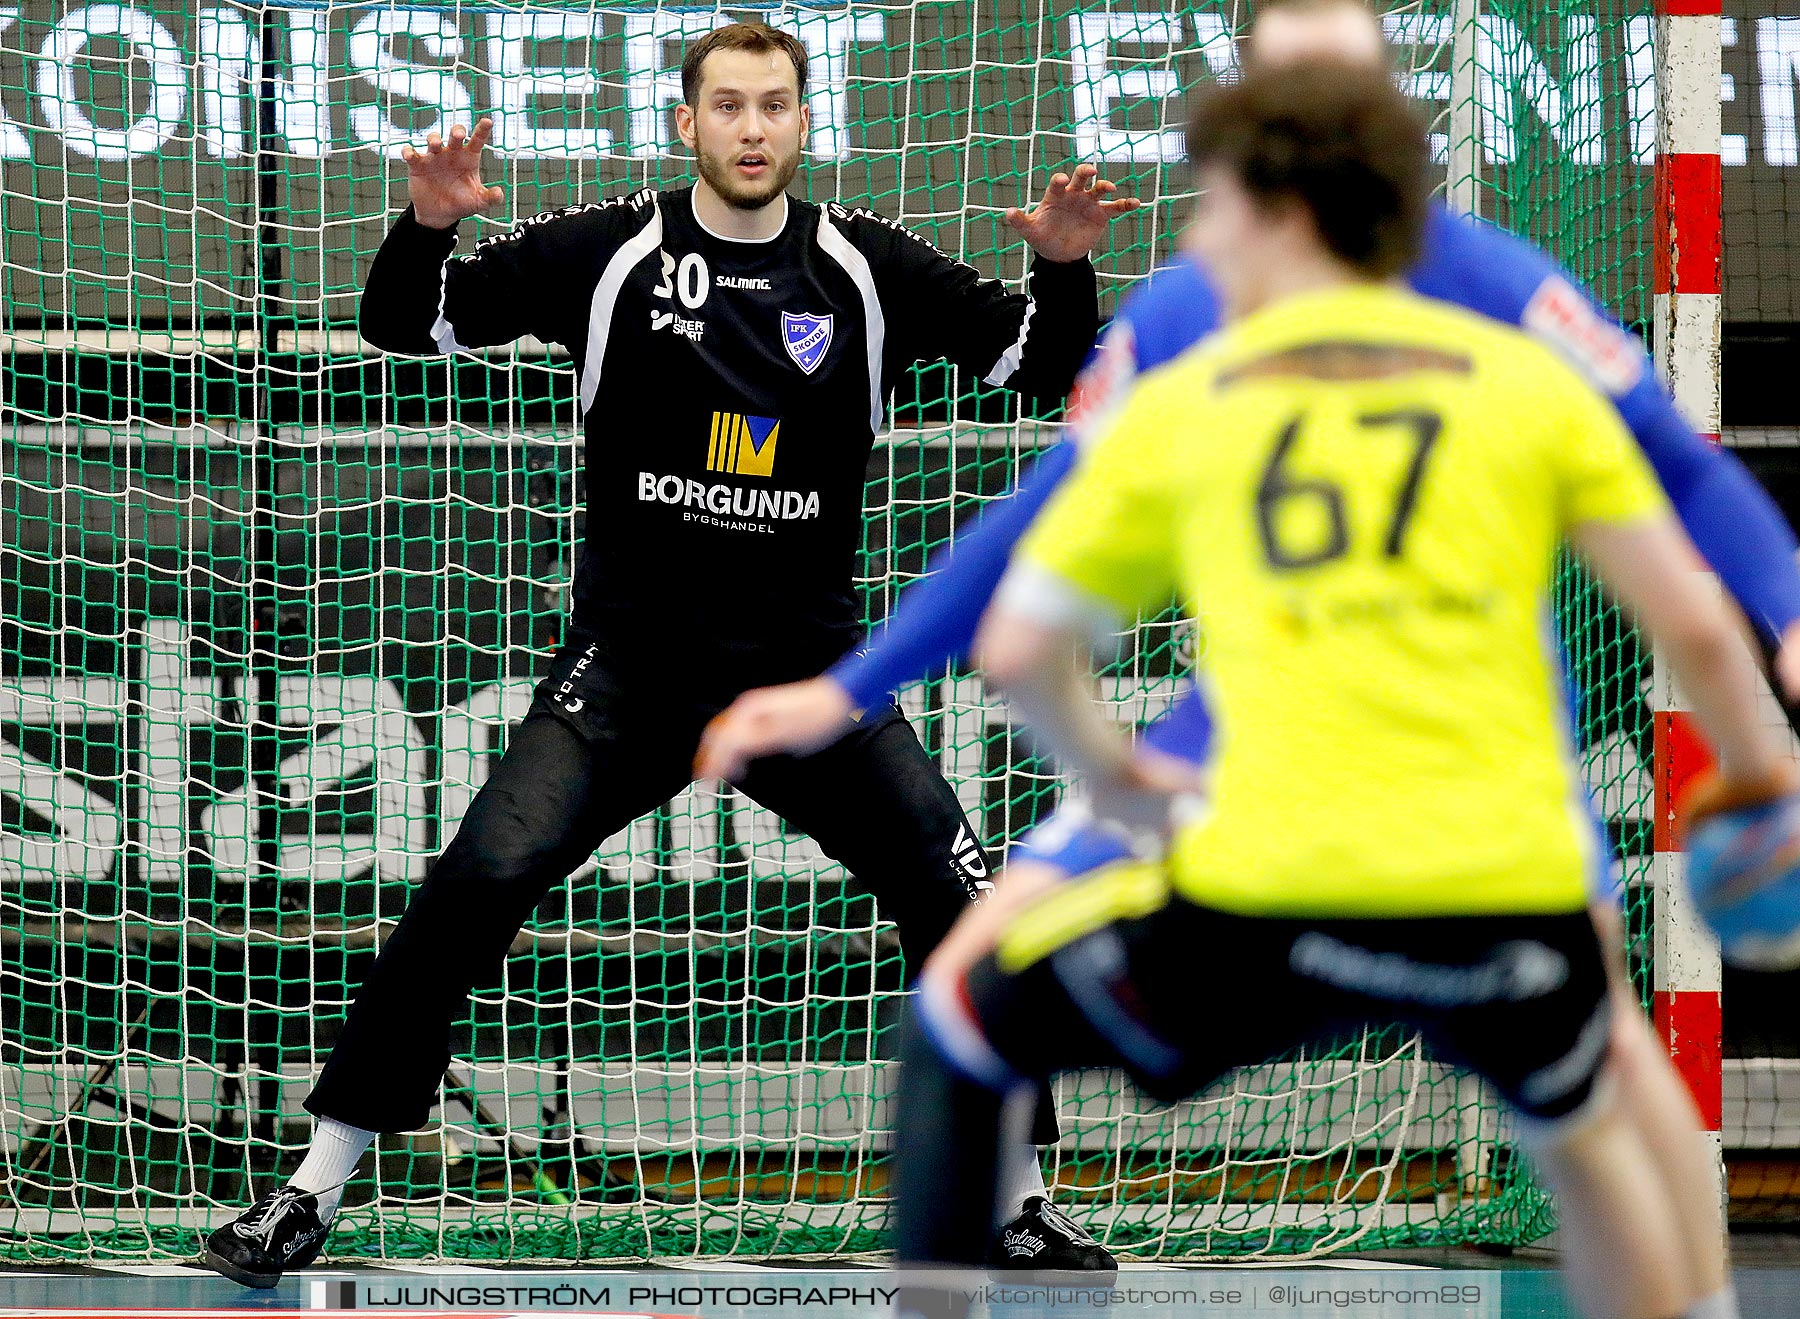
<point x="735" y="349"/>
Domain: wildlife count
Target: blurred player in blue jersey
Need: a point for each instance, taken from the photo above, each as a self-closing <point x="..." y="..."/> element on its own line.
<point x="1729" y="517"/>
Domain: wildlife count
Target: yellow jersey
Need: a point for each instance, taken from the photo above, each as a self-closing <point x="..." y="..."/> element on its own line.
<point x="1360" y="494"/>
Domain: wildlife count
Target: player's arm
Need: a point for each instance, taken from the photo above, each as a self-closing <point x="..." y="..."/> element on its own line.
<point x="935" y="620"/>
<point x="1652" y="569"/>
<point x="1032" y="343"/>
<point x="1616" y="517"/>
<point x="1729" y="517"/>
<point x="1186" y="731"/>
<point x="420" y="297"/>
<point x="1741" y="821"/>
<point x="1101" y="552"/>
<point x="1731" y="520"/>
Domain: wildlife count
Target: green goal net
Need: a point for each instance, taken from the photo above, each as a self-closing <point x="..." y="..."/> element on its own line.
<point x="269" y="600"/>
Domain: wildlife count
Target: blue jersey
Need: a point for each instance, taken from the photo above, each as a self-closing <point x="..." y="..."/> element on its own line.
<point x="1728" y="515"/>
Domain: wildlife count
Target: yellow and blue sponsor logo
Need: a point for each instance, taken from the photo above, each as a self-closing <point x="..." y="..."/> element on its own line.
<point x="742" y="445"/>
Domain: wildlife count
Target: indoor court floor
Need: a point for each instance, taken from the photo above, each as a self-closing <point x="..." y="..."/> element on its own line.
<point x="1412" y="1285"/>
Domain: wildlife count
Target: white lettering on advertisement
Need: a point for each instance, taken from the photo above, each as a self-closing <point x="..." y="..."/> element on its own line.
<point x="543" y="82"/>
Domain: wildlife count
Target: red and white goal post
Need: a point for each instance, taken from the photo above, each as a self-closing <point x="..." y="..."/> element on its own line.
<point x="1687" y="326"/>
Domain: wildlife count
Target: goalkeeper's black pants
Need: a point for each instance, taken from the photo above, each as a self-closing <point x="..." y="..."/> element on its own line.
<point x="874" y="802"/>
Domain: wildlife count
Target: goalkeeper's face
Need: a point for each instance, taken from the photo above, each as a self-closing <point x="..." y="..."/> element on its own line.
<point x="747" y="131"/>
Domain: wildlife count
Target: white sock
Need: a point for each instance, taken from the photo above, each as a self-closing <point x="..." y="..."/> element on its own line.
<point x="1722" y="1304"/>
<point x="330" y="1160"/>
<point x="1021" y="1178"/>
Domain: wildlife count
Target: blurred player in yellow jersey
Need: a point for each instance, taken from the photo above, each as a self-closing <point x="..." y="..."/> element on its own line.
<point x="1362" y="493"/>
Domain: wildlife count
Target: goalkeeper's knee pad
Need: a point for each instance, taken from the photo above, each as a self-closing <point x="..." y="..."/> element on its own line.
<point x="1743" y="846"/>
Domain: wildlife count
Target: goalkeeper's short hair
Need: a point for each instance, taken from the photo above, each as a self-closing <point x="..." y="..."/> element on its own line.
<point x="757" y="38"/>
<point x="1340" y="140"/>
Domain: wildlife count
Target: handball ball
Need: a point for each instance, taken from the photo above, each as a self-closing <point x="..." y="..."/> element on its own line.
<point x="1744" y="870"/>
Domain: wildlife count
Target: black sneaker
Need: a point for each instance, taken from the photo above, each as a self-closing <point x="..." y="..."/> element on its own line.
<point x="1043" y="1239"/>
<point x="279" y="1232"/>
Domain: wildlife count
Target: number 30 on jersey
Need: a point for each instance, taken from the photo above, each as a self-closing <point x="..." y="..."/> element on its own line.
<point x="687" y="279"/>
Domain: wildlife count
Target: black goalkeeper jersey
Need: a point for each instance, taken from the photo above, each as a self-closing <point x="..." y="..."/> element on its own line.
<point x="731" y="391"/>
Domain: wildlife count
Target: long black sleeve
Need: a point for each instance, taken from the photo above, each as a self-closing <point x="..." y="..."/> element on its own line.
<point x="400" y="298"/>
<point x="1065" y="323"/>
<point x="1033" y="343"/>
<point x="537" y="279"/>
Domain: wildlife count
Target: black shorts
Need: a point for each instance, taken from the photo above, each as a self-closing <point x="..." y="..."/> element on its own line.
<point x="873" y="801"/>
<point x="1179" y="994"/>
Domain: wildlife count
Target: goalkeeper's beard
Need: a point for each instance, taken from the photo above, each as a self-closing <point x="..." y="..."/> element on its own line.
<point x="748" y="196"/>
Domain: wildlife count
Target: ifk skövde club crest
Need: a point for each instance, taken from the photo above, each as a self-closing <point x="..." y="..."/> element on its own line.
<point x="806" y="337"/>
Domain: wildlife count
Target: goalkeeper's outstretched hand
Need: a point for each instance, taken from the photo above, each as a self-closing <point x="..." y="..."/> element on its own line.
<point x="444" y="180"/>
<point x="797" y="718"/>
<point x="1743" y="844"/>
<point x="1074" y="213"/>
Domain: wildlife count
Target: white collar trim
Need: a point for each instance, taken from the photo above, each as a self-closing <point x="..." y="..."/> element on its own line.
<point x="727" y="238"/>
